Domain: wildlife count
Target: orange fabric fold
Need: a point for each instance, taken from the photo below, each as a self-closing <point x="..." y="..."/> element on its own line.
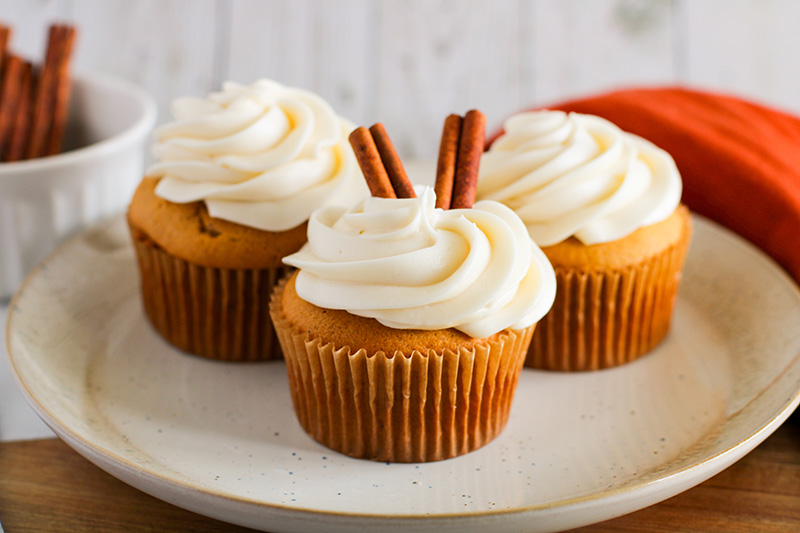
<point x="740" y="161"/>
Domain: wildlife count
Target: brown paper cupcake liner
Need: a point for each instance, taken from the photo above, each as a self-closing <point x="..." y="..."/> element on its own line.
<point x="411" y="407"/>
<point x="605" y="319"/>
<point x="213" y="312"/>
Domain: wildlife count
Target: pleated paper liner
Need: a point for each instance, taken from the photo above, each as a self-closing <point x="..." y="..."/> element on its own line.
<point x="411" y="407"/>
<point x="217" y="313"/>
<point x="604" y="319"/>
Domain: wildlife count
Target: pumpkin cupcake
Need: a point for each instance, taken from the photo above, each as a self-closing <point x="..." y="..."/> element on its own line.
<point x="406" y="326"/>
<point x="604" y="205"/>
<point x="238" y="175"/>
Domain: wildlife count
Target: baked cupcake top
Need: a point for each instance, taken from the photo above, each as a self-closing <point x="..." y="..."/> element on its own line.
<point x="410" y="265"/>
<point x="262" y="155"/>
<point x="578" y="175"/>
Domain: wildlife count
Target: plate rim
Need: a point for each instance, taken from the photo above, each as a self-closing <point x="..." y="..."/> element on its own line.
<point x="712" y="464"/>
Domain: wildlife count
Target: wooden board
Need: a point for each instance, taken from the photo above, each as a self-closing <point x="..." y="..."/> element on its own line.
<point x="46" y="487"/>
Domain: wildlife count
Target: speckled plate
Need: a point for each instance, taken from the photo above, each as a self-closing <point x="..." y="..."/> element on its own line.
<point x="222" y="440"/>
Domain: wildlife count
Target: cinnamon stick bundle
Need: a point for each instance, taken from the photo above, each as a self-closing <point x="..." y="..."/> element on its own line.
<point x="382" y="168"/>
<point x="369" y="159"/>
<point x="52" y="94"/>
<point x="460" y="150"/>
<point x="391" y="162"/>
<point x="34" y="102"/>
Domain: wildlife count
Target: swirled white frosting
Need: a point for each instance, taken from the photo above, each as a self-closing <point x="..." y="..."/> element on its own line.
<point x="412" y="266"/>
<point x="262" y="155"/>
<point x="578" y="175"/>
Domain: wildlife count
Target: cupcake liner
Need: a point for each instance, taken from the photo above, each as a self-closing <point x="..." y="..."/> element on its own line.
<point x="411" y="407"/>
<point x="605" y="319"/>
<point x="212" y="312"/>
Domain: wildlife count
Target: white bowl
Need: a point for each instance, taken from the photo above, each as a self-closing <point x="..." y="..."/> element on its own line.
<point x="45" y="200"/>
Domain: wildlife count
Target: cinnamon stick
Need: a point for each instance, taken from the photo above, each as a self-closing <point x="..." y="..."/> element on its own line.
<point x="5" y="36"/>
<point x="10" y="92"/>
<point x="20" y="135"/>
<point x="42" y="103"/>
<point x="369" y="159"/>
<point x="470" y="148"/>
<point x="391" y="162"/>
<point x="62" y="88"/>
<point x="58" y="42"/>
<point x="446" y="163"/>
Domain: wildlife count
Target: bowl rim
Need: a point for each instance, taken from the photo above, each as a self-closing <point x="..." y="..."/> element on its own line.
<point x="143" y="124"/>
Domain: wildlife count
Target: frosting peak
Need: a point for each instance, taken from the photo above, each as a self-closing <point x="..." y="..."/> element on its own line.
<point x="261" y="155"/>
<point x="578" y="175"/>
<point x="412" y="266"/>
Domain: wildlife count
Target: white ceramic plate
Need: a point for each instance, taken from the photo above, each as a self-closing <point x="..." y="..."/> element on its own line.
<point x="222" y="439"/>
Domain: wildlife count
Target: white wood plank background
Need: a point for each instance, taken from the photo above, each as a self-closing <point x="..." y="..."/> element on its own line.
<point x="409" y="63"/>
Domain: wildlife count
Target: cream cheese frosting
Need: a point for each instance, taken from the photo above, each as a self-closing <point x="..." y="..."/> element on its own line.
<point x="410" y="265"/>
<point x="262" y="155"/>
<point x="578" y="175"/>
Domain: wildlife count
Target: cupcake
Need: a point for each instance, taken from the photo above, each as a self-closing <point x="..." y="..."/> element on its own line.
<point x="406" y="326"/>
<point x="604" y="205"/>
<point x="237" y="176"/>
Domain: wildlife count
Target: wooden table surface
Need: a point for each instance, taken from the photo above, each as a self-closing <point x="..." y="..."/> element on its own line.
<point x="46" y="487"/>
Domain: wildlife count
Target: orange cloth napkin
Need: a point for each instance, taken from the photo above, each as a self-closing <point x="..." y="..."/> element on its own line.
<point x="740" y="161"/>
